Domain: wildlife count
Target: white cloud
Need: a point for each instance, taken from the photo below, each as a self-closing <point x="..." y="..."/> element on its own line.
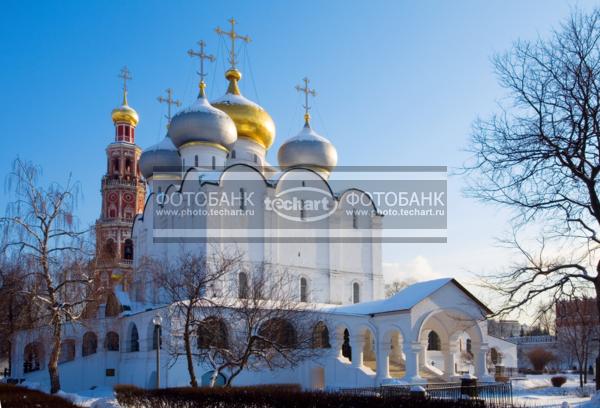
<point x="416" y="269"/>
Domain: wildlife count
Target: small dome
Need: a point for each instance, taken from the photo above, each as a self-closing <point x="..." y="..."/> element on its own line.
<point x="308" y="149"/>
<point x="251" y="120"/>
<point x="125" y="113"/>
<point x="161" y="155"/>
<point x="202" y="123"/>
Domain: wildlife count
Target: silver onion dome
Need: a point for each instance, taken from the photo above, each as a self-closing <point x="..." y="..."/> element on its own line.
<point x="308" y="149"/>
<point x="202" y="123"/>
<point x="163" y="155"/>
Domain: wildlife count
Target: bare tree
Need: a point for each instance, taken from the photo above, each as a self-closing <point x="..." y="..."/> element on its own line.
<point x="39" y="227"/>
<point x="540" y="155"/>
<point x="269" y="328"/>
<point x="185" y="284"/>
<point x="577" y="328"/>
<point x="397" y="286"/>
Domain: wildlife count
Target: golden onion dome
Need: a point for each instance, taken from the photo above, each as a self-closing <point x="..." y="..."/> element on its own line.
<point x="125" y="113"/>
<point x="251" y="120"/>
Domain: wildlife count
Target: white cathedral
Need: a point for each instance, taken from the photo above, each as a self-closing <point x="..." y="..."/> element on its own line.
<point x="420" y="334"/>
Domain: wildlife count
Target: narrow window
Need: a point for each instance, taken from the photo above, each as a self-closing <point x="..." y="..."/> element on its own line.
<point x="196" y="160"/>
<point x="354" y="219"/>
<point x="355" y="292"/>
<point x="242" y="199"/>
<point x="243" y="286"/>
<point x="233" y="154"/>
<point x="303" y="290"/>
<point x="214" y="162"/>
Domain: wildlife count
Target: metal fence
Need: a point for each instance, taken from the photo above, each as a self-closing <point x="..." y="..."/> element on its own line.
<point x="496" y="395"/>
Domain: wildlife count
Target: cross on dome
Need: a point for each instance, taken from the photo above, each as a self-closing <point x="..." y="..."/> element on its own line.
<point x="201" y="55"/>
<point x="170" y="102"/>
<point x="125" y="75"/>
<point x="232" y="36"/>
<point x="307" y="91"/>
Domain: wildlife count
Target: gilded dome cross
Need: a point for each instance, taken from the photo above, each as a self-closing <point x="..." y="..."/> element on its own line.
<point x="307" y="91"/>
<point x="202" y="56"/>
<point x="169" y="101"/>
<point x="232" y="36"/>
<point x="125" y="75"/>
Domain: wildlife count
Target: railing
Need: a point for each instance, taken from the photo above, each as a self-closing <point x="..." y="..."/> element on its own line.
<point x="532" y="339"/>
<point x="497" y="395"/>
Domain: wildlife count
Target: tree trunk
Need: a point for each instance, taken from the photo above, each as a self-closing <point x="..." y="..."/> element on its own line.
<point x="188" y="352"/>
<point x="53" y="362"/>
<point x="597" y="287"/>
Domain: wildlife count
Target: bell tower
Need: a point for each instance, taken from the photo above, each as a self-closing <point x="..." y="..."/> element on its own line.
<point x="123" y="194"/>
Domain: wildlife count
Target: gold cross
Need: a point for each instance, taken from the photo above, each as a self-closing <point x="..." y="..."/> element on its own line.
<point x="233" y="36"/>
<point x="307" y="91"/>
<point x="202" y="56"/>
<point x="125" y="75"/>
<point x="169" y="101"/>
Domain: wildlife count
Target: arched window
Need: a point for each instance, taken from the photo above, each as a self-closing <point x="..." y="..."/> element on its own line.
<point x="346" y="348"/>
<point x="32" y="357"/>
<point x="355" y="292"/>
<point x="279" y="333"/>
<point x="212" y="332"/>
<point x="243" y="285"/>
<point x="321" y="336"/>
<point x="134" y="339"/>
<point x="469" y="346"/>
<point x="67" y="351"/>
<point x="111" y="342"/>
<point x="433" y="341"/>
<point x="90" y="344"/>
<point x="110" y="249"/>
<point x="303" y="290"/>
<point x="128" y="249"/>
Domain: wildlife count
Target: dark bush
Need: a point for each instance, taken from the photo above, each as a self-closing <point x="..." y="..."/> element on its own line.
<point x="12" y="396"/>
<point x="558" y="380"/>
<point x="273" y="397"/>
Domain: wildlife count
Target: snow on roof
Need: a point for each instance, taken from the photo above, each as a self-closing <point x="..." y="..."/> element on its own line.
<point x="232" y="99"/>
<point x="403" y="300"/>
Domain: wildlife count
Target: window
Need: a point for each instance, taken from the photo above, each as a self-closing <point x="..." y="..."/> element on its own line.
<point x="32" y="357"/>
<point x="495" y="356"/>
<point x="255" y="158"/>
<point x="111" y="342"/>
<point x="320" y="336"/>
<point x="469" y="346"/>
<point x="355" y="292"/>
<point x="67" y="351"/>
<point x="134" y="339"/>
<point x="243" y="285"/>
<point x="212" y="332"/>
<point x="214" y="162"/>
<point x="233" y="154"/>
<point x="128" y="249"/>
<point x="433" y="341"/>
<point x="90" y="344"/>
<point x="279" y="332"/>
<point x="196" y="160"/>
<point x="354" y="219"/>
<point x="303" y="290"/>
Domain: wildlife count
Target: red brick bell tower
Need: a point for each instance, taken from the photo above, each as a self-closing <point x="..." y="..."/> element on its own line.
<point x="123" y="196"/>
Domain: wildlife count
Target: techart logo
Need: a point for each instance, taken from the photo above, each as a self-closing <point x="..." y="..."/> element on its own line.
<point x="302" y="204"/>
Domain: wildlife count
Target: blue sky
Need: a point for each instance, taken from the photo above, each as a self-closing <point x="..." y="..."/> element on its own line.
<point x="399" y="83"/>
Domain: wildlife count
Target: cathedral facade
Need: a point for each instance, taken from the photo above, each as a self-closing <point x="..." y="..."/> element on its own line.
<point x="220" y="148"/>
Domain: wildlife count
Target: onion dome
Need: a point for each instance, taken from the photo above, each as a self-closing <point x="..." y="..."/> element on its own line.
<point x="125" y="113"/>
<point x="251" y="120"/>
<point x="161" y="155"/>
<point x="308" y="149"/>
<point x="204" y="124"/>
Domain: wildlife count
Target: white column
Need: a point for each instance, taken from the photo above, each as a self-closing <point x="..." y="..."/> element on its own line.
<point x="480" y="356"/>
<point x="383" y="360"/>
<point x="357" y="343"/>
<point x="450" y="351"/>
<point x="412" y="350"/>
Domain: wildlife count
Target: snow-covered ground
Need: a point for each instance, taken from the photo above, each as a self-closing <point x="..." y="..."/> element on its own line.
<point x="537" y="391"/>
